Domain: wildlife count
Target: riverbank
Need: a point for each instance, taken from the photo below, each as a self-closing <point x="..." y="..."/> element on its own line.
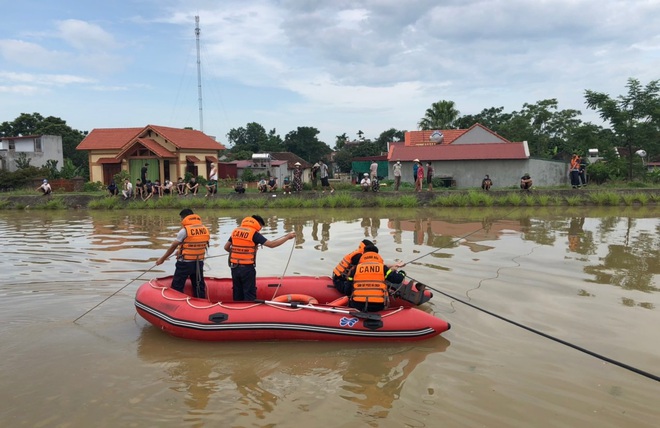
<point x="343" y="199"/>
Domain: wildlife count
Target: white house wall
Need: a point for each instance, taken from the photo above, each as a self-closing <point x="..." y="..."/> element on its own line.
<point x="51" y="149"/>
<point x="504" y="173"/>
<point x="478" y="135"/>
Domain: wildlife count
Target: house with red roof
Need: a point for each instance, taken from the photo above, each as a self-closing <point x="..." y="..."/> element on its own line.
<point x="168" y="152"/>
<point x="464" y="156"/>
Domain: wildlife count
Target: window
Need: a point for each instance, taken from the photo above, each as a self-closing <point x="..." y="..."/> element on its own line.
<point x="37" y="145"/>
<point x="12" y="145"/>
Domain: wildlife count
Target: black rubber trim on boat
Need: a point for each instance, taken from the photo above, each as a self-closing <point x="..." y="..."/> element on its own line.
<point x="218" y="317"/>
<point x="373" y="324"/>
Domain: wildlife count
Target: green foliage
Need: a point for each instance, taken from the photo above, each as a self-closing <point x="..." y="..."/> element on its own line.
<point x="634" y="118"/>
<point x="51" y="166"/>
<point x="22" y="160"/>
<point x="21" y="178"/>
<point x="93" y="186"/>
<point x="654" y="175"/>
<point x="441" y="115"/>
<point x="305" y="143"/>
<point x="120" y="177"/>
<point x="69" y="170"/>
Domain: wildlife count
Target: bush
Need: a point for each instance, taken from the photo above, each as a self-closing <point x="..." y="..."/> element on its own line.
<point x="93" y="186"/>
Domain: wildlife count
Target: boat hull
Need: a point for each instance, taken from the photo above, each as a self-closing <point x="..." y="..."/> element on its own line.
<point x="224" y="320"/>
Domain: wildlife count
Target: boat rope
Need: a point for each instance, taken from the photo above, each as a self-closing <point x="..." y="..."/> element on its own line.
<point x="113" y="294"/>
<point x="556" y="339"/>
<point x="285" y="268"/>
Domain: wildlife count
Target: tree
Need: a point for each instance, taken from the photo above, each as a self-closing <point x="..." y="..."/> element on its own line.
<point x="251" y="138"/>
<point x="634" y="118"/>
<point x="441" y="115"/>
<point x="305" y="143"/>
<point x="387" y="137"/>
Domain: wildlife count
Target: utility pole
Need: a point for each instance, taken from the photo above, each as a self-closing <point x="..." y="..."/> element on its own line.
<point x="199" y="76"/>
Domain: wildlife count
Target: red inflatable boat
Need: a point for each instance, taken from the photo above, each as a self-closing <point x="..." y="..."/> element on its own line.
<point x="288" y="308"/>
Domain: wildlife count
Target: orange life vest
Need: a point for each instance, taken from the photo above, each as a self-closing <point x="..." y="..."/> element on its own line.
<point x="369" y="280"/>
<point x="197" y="239"/>
<point x="345" y="265"/>
<point x="575" y="163"/>
<point x="243" y="249"/>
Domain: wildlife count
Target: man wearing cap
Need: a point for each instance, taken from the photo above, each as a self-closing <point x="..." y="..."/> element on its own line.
<point x="242" y="248"/>
<point x="365" y="183"/>
<point x="397" y="175"/>
<point x="297" y="178"/>
<point x="45" y="187"/>
<point x="191" y="243"/>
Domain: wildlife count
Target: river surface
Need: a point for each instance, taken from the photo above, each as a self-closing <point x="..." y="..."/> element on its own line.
<point x="522" y="289"/>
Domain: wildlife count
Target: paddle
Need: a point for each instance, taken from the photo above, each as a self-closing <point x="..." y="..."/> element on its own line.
<point x="364" y="315"/>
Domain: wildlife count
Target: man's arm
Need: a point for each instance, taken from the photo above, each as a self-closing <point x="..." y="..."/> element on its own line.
<point x="168" y="253"/>
<point x="279" y="241"/>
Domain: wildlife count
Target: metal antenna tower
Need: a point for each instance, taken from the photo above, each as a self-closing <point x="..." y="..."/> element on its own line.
<point x="199" y="76"/>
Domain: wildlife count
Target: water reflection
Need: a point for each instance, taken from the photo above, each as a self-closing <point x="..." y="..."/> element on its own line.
<point x="253" y="378"/>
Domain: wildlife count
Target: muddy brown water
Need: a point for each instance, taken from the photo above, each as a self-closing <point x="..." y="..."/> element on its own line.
<point x="589" y="277"/>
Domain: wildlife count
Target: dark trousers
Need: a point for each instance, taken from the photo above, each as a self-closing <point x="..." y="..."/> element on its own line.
<point x="343" y="285"/>
<point x="244" y="279"/>
<point x="194" y="271"/>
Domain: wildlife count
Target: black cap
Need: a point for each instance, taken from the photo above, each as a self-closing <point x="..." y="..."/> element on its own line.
<point x="371" y="249"/>
<point x="367" y="243"/>
<point x="185" y="212"/>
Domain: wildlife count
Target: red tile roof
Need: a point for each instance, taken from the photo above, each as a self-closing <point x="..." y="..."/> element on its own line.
<point x="446" y="152"/>
<point x="118" y="138"/>
<point x="422" y="138"/>
<point x="108" y="138"/>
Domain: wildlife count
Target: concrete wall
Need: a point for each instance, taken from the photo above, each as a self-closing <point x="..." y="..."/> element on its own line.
<point x="51" y="148"/>
<point x="504" y="173"/>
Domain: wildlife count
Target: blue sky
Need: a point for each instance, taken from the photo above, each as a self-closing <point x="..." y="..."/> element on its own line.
<point x="340" y="66"/>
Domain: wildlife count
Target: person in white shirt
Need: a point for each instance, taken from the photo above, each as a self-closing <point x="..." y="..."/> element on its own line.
<point x="45" y="187"/>
<point x="397" y="175"/>
<point x="365" y="183"/>
<point x="127" y="192"/>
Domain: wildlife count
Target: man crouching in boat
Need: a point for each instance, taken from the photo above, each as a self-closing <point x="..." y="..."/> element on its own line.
<point x="370" y="291"/>
<point x="342" y="272"/>
<point x="191" y="242"/>
<point x="242" y="248"/>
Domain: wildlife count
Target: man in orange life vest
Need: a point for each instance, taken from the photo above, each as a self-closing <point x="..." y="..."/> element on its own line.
<point x="242" y="249"/>
<point x="370" y="291"/>
<point x="191" y="242"/>
<point x="345" y="268"/>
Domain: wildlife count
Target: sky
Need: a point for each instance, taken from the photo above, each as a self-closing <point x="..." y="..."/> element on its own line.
<point x="341" y="66"/>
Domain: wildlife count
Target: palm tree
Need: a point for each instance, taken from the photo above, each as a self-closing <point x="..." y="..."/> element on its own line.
<point x="441" y="115"/>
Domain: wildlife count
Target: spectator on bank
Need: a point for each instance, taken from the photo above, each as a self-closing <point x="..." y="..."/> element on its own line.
<point x="139" y="189"/>
<point x="127" y="191"/>
<point x="262" y="186"/>
<point x="575" y="171"/>
<point x="45" y="187"/>
<point x="272" y="184"/>
<point x="192" y="186"/>
<point x="181" y="186"/>
<point x="373" y="170"/>
<point x="239" y="187"/>
<point x="286" y="186"/>
<point x="486" y="183"/>
<point x="297" y="178"/>
<point x="526" y="182"/>
<point x="113" y="190"/>
<point x="430" y="172"/>
<point x="167" y="188"/>
<point x="365" y="183"/>
<point x="397" y="175"/>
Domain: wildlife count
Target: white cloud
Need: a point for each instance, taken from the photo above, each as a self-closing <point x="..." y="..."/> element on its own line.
<point x="84" y="36"/>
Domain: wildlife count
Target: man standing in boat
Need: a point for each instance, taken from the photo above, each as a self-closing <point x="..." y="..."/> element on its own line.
<point x="242" y="248"/>
<point x="370" y="289"/>
<point x="191" y="242"/>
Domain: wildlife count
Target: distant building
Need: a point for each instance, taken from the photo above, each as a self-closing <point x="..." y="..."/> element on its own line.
<point x="38" y="148"/>
<point x="464" y="156"/>
<point x="168" y="152"/>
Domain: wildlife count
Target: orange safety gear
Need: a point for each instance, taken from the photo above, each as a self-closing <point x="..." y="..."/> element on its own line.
<point x="369" y="280"/>
<point x="243" y="249"/>
<point x="575" y="162"/>
<point x="344" y="267"/>
<point x="197" y="239"/>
